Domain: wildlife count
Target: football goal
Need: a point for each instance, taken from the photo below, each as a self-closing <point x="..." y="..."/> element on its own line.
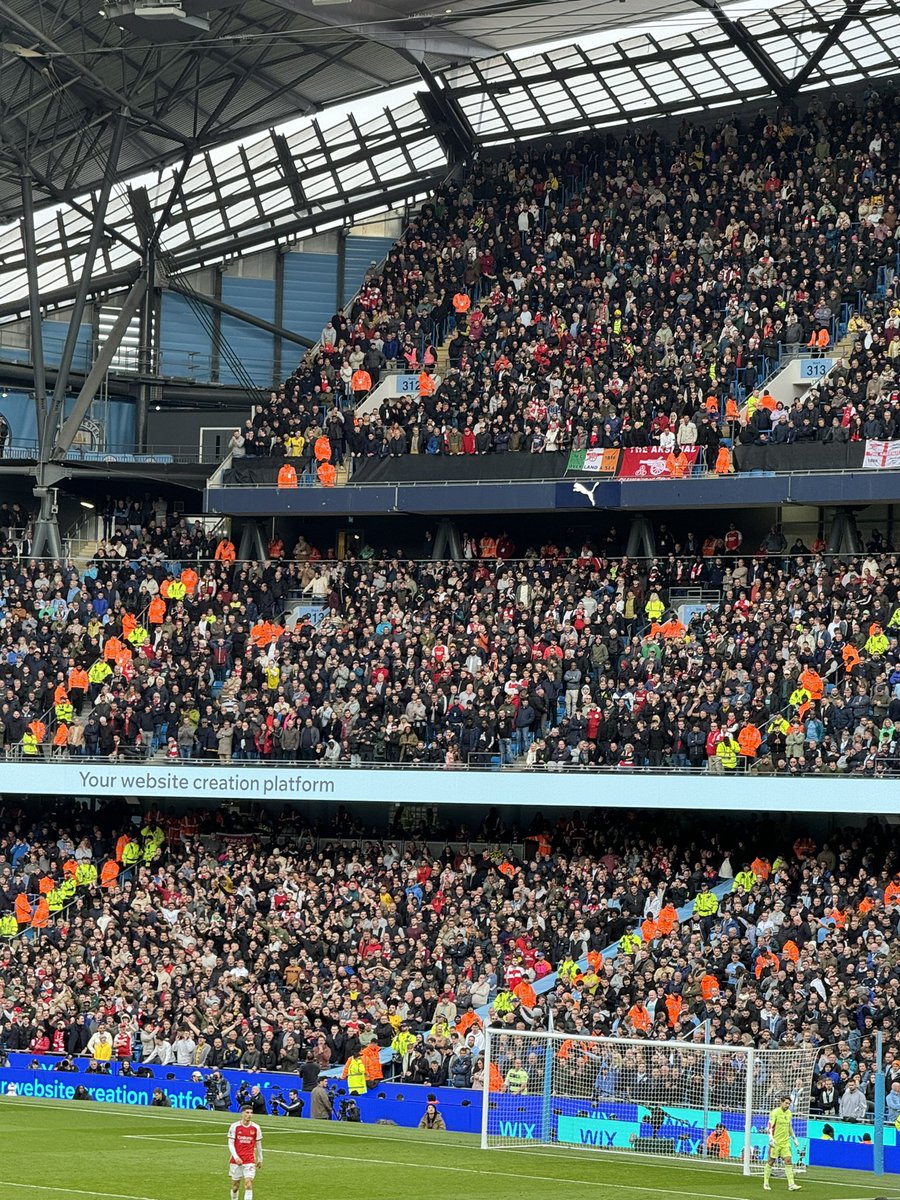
<point x="676" y="1100"/>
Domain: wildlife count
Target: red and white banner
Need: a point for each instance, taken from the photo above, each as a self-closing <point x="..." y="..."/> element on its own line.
<point x="882" y="456"/>
<point x="651" y="463"/>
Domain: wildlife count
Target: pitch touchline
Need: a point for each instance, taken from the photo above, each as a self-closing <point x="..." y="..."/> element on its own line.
<point x="131" y="1112"/>
<point x="46" y="1187"/>
<point x="390" y="1162"/>
<point x="557" y="1154"/>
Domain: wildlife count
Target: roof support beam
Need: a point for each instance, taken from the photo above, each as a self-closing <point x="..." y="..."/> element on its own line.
<point x="65" y="362"/>
<point x="239" y="314"/>
<point x="447" y="119"/>
<point x="58" y="194"/>
<point x="91" y="80"/>
<point x="831" y="38"/>
<point x="101" y="365"/>
<point x="771" y="72"/>
<point x="326" y="214"/>
<point x="377" y="24"/>
<point x="34" y="305"/>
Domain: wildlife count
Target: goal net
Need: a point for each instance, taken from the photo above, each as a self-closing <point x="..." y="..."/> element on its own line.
<point x="682" y="1100"/>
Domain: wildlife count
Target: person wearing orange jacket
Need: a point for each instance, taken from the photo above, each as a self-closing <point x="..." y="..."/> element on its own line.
<point x="709" y="987"/>
<point x="639" y="1017"/>
<point x="426" y="383"/>
<point x="749" y="740"/>
<point x="225" y="551"/>
<point x="109" y="874"/>
<point x="360" y="385"/>
<point x="78" y="684"/>
<point x="525" y="994"/>
<point x="287" y="476"/>
<point x="674" y="1008"/>
<point x="41" y="916"/>
<point x="23" y="909"/>
<point x="370" y="1056"/>
<point x="156" y="611"/>
<point x="718" y="1144"/>
<point x="667" y="919"/>
<point x="111" y="647"/>
<point x="677" y="464"/>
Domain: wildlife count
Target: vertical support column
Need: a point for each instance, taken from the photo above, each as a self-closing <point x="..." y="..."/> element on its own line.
<point x="215" y="365"/>
<point x="34" y="314"/>
<point x="641" y="539"/>
<point x="278" y="370"/>
<point x="843" y="538"/>
<point x="253" y="543"/>
<point x="748" y="1110"/>
<point x="47" y="542"/>
<point x="447" y="543"/>
<point x="341" y="281"/>
<point x="147" y="356"/>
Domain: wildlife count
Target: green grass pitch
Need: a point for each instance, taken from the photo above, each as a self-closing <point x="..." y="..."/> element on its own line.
<point x="56" y="1149"/>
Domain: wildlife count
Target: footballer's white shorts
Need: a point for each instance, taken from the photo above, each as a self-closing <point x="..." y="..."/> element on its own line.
<point x="239" y="1171"/>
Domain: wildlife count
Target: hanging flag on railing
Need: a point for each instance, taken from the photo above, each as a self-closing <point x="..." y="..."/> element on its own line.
<point x="881" y="456"/>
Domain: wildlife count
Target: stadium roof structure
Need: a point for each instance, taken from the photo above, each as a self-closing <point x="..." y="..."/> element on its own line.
<point x="90" y="104"/>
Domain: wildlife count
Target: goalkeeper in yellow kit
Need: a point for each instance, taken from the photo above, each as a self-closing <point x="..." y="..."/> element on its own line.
<point x="781" y="1140"/>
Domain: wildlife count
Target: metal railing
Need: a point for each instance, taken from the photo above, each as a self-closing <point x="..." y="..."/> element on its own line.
<point x="141" y="760"/>
<point x="25" y="450"/>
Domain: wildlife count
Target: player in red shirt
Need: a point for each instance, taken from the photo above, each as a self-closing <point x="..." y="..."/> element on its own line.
<point x="245" y="1148"/>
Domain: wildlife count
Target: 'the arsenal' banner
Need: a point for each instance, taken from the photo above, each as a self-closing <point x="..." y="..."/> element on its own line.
<point x="882" y="456"/>
<point x="598" y="461"/>
<point x="650" y="463"/>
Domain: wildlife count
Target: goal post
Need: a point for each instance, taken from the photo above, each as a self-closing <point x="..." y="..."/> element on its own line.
<point x="678" y="1100"/>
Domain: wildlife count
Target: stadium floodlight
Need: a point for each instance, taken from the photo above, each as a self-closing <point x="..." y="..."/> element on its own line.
<point x="688" y="1101"/>
<point x="162" y="14"/>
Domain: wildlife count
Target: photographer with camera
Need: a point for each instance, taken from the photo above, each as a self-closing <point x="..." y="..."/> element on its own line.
<point x="252" y="1098"/>
<point x="292" y="1107"/>
<point x="218" y="1092"/>
<point x="322" y="1102"/>
<point x="348" y="1110"/>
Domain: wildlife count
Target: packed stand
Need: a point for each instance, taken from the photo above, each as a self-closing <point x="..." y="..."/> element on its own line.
<point x="213" y="942"/>
<point x="560" y="658"/>
<point x="623" y="292"/>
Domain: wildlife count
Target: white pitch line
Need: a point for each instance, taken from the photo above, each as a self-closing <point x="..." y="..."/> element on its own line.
<point x="45" y="1187"/>
<point x="395" y="1165"/>
<point x="309" y="1128"/>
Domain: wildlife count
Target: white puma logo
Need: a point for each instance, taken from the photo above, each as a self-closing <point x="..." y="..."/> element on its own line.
<point x="584" y="491"/>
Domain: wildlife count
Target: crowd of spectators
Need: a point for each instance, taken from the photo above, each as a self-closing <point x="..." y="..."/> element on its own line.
<point x="251" y="943"/>
<point x="625" y="291"/>
<point x="565" y="657"/>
